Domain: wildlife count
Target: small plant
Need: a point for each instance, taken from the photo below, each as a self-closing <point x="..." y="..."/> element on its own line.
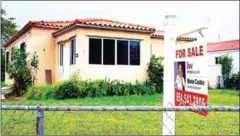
<point x="68" y="89"/>
<point x="75" y="76"/>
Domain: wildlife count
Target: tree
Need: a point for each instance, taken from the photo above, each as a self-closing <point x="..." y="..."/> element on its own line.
<point x="21" y="70"/>
<point x="8" y="27"/>
<point x="226" y="62"/>
<point x="155" y="72"/>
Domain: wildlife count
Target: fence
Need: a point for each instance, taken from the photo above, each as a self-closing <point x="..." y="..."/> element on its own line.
<point x="108" y="120"/>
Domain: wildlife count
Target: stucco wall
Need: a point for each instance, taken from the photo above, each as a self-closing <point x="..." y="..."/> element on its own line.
<point x="157" y="46"/>
<point x="39" y="40"/>
<point x="233" y="53"/>
<point x="94" y="71"/>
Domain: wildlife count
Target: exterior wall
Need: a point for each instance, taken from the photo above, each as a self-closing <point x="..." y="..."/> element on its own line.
<point x="39" y="40"/>
<point x="233" y="53"/>
<point x="93" y="71"/>
<point x="157" y="46"/>
<point x="96" y="71"/>
<point x="214" y="71"/>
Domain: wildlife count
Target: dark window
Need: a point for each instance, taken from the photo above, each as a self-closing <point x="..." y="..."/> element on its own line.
<point x="95" y="51"/>
<point x="7" y="59"/>
<point x="216" y="60"/>
<point x="73" y="52"/>
<point x="22" y="46"/>
<point x="134" y="53"/>
<point x="12" y="56"/>
<point x="122" y="52"/>
<point x="108" y="52"/>
<point x="61" y="53"/>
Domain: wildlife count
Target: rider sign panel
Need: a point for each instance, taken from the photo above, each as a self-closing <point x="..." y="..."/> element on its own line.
<point x="190" y="75"/>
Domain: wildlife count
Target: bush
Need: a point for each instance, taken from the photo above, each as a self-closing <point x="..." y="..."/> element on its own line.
<point x="233" y="82"/>
<point x="33" y="91"/>
<point x="75" y="76"/>
<point x="22" y="70"/>
<point x="155" y="72"/>
<point x="68" y="89"/>
<point x="96" y="88"/>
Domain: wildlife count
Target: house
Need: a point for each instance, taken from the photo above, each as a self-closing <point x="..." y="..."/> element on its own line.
<point x="216" y="50"/>
<point x="98" y="48"/>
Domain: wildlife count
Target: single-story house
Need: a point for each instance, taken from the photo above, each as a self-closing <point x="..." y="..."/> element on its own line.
<point x="217" y="49"/>
<point x="97" y="48"/>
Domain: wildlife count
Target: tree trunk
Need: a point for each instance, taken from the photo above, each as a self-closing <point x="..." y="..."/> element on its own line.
<point x="17" y="87"/>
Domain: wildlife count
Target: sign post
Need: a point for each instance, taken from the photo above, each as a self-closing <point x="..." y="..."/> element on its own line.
<point x="168" y="87"/>
<point x="170" y="66"/>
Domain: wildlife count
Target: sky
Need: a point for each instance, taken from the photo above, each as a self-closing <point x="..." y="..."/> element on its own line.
<point x="223" y="16"/>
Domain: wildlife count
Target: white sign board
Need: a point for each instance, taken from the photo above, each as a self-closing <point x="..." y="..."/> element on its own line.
<point x="190" y="75"/>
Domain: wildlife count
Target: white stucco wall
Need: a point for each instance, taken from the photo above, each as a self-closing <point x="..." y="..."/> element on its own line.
<point x="233" y="53"/>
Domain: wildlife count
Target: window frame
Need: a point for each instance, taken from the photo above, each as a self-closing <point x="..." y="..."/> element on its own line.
<point x="116" y="53"/>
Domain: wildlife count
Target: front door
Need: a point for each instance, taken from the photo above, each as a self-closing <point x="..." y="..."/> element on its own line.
<point x="66" y="62"/>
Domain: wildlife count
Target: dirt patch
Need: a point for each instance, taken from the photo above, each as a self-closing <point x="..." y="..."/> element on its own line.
<point x="13" y="98"/>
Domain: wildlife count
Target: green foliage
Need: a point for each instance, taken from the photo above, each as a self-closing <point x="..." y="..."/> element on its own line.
<point x="226" y="63"/>
<point x="230" y="81"/>
<point x="75" y="76"/>
<point x="155" y="72"/>
<point x="68" y="89"/>
<point x="96" y="88"/>
<point x="233" y="82"/>
<point x="21" y="70"/>
<point x="34" y="64"/>
<point x="3" y="84"/>
<point x="39" y="92"/>
<point x="8" y="27"/>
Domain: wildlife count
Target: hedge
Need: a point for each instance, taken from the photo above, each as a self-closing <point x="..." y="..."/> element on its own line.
<point x="96" y="88"/>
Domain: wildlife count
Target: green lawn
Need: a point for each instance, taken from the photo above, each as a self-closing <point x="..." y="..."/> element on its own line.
<point x="63" y="123"/>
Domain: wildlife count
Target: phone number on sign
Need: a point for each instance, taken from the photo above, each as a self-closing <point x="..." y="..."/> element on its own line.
<point x="183" y="98"/>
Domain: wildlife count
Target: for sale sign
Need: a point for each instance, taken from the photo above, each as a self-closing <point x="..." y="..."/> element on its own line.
<point x="190" y="75"/>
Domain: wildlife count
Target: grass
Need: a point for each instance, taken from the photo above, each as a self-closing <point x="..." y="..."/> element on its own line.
<point x="70" y="122"/>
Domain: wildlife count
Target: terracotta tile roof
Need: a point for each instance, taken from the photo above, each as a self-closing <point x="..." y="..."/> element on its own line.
<point x="51" y="24"/>
<point x="223" y="46"/>
<point x="160" y="34"/>
<point x="108" y="24"/>
<point x="45" y="24"/>
<point x="86" y="22"/>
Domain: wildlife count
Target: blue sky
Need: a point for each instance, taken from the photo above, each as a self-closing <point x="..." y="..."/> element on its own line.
<point x="224" y="15"/>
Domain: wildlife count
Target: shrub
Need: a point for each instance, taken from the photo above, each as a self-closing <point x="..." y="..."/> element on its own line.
<point x="33" y="91"/>
<point x="96" y="88"/>
<point x="233" y="82"/>
<point x="75" y="76"/>
<point x="3" y="84"/>
<point x="93" y="89"/>
<point x="69" y="89"/>
<point x="155" y="72"/>
<point x="22" y="70"/>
